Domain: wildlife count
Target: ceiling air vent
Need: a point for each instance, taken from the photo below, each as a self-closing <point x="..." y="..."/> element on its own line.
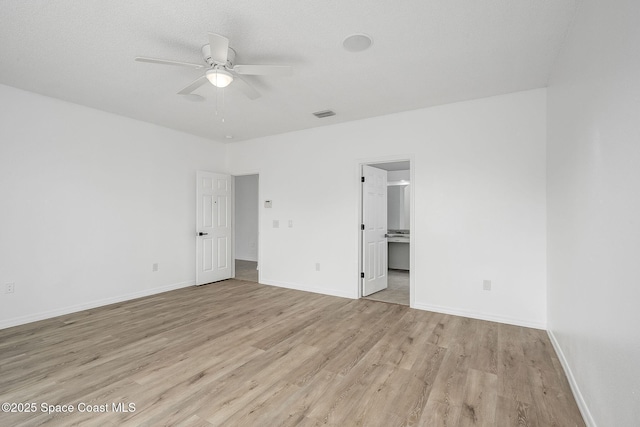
<point x="323" y="114"/>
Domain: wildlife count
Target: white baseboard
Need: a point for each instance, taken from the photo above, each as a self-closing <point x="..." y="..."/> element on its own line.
<point x="582" y="405"/>
<point x="16" y="321"/>
<point x="480" y="316"/>
<point x="315" y="290"/>
<point x="419" y="306"/>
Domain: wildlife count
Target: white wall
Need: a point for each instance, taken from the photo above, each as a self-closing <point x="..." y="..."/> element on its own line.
<point x="90" y="201"/>
<point x="479" y="188"/>
<point x="246" y="216"/>
<point x="594" y="210"/>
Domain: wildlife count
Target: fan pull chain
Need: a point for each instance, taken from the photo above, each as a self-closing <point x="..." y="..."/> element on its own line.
<point x="218" y="104"/>
<point x="216" y="101"/>
<point x="223" y="105"/>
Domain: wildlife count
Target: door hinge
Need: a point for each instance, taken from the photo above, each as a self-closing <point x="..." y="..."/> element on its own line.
<point x="361" y="226"/>
<point x="362" y="179"/>
<point x="362" y="275"/>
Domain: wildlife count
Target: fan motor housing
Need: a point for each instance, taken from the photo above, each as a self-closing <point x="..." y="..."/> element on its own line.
<point x="206" y="53"/>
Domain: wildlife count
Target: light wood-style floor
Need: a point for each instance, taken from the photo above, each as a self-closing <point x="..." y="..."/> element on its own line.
<point x="397" y="291"/>
<point x="238" y="353"/>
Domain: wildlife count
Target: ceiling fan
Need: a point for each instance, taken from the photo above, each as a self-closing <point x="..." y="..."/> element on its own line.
<point x="221" y="69"/>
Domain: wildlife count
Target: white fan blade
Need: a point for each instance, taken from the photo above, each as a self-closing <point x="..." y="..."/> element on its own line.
<point x="219" y="46"/>
<point x="193" y="86"/>
<point x="168" y="62"/>
<point x="264" y="70"/>
<point x="245" y="88"/>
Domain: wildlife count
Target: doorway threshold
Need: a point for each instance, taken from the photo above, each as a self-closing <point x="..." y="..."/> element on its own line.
<point x="397" y="291"/>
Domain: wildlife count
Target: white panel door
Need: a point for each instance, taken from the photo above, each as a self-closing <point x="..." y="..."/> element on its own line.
<point x="374" y="218"/>
<point x="213" y="227"/>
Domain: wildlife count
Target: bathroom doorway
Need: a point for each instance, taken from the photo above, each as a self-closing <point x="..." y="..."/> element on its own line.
<point x="246" y="224"/>
<point x="397" y="236"/>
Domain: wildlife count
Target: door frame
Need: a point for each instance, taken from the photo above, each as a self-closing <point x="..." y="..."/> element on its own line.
<point x="360" y="235"/>
<point x="233" y="215"/>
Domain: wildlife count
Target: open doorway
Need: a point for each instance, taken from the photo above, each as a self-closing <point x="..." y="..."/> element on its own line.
<point x="387" y="246"/>
<point x="246" y="227"/>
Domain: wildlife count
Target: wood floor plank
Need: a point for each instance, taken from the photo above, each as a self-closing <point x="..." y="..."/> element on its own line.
<point x="330" y="410"/>
<point x="412" y="399"/>
<point x="512" y="366"/>
<point x="438" y="414"/>
<point x="306" y="398"/>
<point x="485" y="348"/>
<point x="449" y="384"/>
<point x="516" y="413"/>
<point x="480" y="400"/>
<point x="252" y="382"/>
<point x="358" y="407"/>
<point x="446" y="331"/>
<point x="241" y="353"/>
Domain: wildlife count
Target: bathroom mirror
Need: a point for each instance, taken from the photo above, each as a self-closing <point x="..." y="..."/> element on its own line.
<point x="398" y="207"/>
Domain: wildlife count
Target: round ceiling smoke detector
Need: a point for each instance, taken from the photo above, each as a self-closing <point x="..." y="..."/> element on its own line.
<point x="357" y="42"/>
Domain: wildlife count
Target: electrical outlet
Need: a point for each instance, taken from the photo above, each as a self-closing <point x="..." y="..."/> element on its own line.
<point x="486" y="285"/>
<point x="10" y="288"/>
<point x="154" y="267"/>
<point x="276" y="223"/>
<point x="317" y="266"/>
<point x="290" y="223"/>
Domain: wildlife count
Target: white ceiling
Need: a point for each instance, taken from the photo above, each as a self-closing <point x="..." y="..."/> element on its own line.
<point x="393" y="166"/>
<point x="424" y="53"/>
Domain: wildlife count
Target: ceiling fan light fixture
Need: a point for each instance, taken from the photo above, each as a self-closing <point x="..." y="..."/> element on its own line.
<point x="219" y="78"/>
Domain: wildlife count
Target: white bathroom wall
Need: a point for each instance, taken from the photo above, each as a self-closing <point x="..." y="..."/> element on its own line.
<point x="246" y="216"/>
<point x="90" y="201"/>
<point x="479" y="188"/>
<point x="594" y="210"/>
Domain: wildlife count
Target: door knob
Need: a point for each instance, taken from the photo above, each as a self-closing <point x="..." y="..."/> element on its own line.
<point x="202" y="234"/>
